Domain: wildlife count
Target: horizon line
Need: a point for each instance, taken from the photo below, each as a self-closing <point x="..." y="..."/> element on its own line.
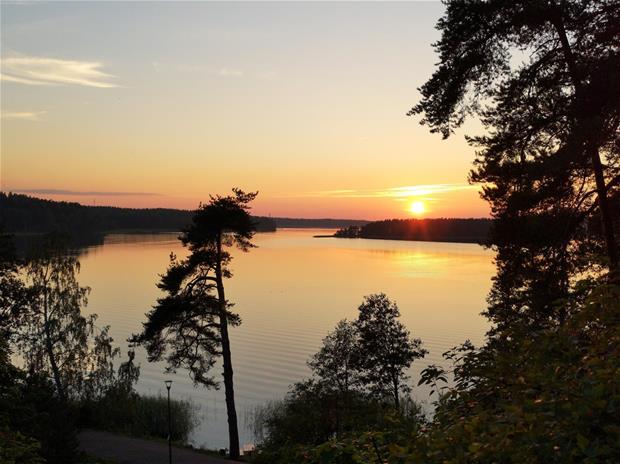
<point x="18" y="192"/>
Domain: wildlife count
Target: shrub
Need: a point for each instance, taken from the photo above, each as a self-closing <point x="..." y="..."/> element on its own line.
<point x="143" y="416"/>
<point x="547" y="396"/>
<point x="313" y="413"/>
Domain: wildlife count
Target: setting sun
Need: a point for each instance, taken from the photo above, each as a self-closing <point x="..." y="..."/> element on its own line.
<point x="417" y="208"/>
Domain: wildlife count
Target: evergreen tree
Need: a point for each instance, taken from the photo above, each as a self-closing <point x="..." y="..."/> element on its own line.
<point x="189" y="326"/>
<point x="543" y="78"/>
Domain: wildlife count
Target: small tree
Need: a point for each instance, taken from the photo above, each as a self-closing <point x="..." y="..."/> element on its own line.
<point x="54" y="337"/>
<point x="385" y="347"/>
<point x="189" y="326"/>
<point x="334" y="365"/>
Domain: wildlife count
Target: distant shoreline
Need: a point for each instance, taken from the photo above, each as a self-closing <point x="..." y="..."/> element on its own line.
<point x="440" y="240"/>
<point x="27" y="214"/>
<point x="447" y="230"/>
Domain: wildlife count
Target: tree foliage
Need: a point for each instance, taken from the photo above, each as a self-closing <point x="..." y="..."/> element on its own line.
<point x="189" y="325"/>
<point x="35" y="425"/>
<point x="13" y="293"/>
<point x="55" y="338"/>
<point x="67" y="358"/>
<point x="553" y="398"/>
<point x="542" y="77"/>
<point x="386" y="348"/>
<point x="336" y="361"/>
<point x="358" y="386"/>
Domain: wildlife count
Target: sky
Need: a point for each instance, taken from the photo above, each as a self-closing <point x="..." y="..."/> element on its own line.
<point x="159" y="104"/>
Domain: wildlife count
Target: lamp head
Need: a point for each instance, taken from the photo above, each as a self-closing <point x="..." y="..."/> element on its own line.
<point x="168" y="384"/>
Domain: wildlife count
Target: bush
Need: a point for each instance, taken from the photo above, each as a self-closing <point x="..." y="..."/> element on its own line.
<point x="142" y="416"/>
<point x="35" y="425"/>
<point x="313" y="413"/>
<point x="545" y="396"/>
<point x="550" y="395"/>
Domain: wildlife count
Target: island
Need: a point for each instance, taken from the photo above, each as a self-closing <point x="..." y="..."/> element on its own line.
<point x="469" y="230"/>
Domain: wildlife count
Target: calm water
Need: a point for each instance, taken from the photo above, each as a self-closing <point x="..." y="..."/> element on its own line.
<point x="290" y="292"/>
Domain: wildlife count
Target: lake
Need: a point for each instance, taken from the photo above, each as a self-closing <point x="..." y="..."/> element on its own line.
<point x="290" y="291"/>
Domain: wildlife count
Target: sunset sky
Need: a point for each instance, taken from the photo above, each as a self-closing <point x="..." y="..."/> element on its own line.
<point x="159" y="104"/>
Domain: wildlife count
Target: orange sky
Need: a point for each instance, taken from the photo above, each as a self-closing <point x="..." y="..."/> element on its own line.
<point x="159" y="104"/>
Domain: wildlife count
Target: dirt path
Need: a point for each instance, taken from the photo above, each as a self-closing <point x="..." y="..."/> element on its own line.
<point x="126" y="450"/>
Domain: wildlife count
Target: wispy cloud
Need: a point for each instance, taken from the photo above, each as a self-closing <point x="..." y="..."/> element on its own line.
<point x="227" y="72"/>
<point x="396" y="192"/>
<point x="83" y="192"/>
<point x="34" y="70"/>
<point x="23" y="115"/>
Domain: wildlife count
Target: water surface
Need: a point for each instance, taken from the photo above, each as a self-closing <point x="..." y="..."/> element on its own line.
<point x="290" y="291"/>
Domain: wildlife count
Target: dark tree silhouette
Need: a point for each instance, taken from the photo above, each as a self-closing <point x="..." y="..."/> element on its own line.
<point x="53" y="336"/>
<point x="385" y="347"/>
<point x="440" y="230"/>
<point x="334" y="363"/>
<point x="543" y="78"/>
<point x="13" y="294"/>
<point x="189" y="326"/>
<point x="22" y="213"/>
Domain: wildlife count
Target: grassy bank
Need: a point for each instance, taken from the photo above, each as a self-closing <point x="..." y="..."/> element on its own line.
<point x="140" y="416"/>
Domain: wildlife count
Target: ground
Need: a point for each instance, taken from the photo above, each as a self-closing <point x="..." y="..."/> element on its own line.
<point x="127" y="450"/>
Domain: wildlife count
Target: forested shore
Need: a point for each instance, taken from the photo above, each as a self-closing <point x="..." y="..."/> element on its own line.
<point x="431" y="230"/>
<point x="26" y="214"/>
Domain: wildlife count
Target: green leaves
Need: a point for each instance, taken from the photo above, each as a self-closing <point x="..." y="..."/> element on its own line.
<point x="551" y="396"/>
<point x="386" y="348"/>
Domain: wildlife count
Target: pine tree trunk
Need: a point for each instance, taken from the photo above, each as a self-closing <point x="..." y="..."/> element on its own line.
<point x="603" y="205"/>
<point x="597" y="165"/>
<point x="233" y="430"/>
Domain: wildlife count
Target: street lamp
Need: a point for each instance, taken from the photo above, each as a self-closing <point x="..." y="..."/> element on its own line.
<point x="168" y="385"/>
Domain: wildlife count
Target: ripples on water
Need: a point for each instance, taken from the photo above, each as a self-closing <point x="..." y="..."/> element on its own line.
<point x="290" y="292"/>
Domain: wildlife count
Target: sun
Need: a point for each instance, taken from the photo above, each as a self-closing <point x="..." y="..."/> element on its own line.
<point x="417" y="208"/>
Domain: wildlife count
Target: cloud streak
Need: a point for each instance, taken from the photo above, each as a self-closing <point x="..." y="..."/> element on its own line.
<point x="23" y="115"/>
<point x="227" y="72"/>
<point x="396" y="192"/>
<point x="34" y="70"/>
<point x="81" y="192"/>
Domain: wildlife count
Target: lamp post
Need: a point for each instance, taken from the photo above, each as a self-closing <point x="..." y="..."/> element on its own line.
<point x="168" y="385"/>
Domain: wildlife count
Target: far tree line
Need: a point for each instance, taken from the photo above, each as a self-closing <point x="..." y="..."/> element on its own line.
<point x="474" y="230"/>
<point x="25" y="214"/>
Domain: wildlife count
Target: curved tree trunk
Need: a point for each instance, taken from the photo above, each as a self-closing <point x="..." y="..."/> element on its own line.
<point x="603" y="204"/>
<point x="233" y="429"/>
<point x="593" y="152"/>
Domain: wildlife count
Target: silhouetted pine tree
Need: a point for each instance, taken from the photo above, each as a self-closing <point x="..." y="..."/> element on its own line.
<point x="189" y="326"/>
<point x="543" y="78"/>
